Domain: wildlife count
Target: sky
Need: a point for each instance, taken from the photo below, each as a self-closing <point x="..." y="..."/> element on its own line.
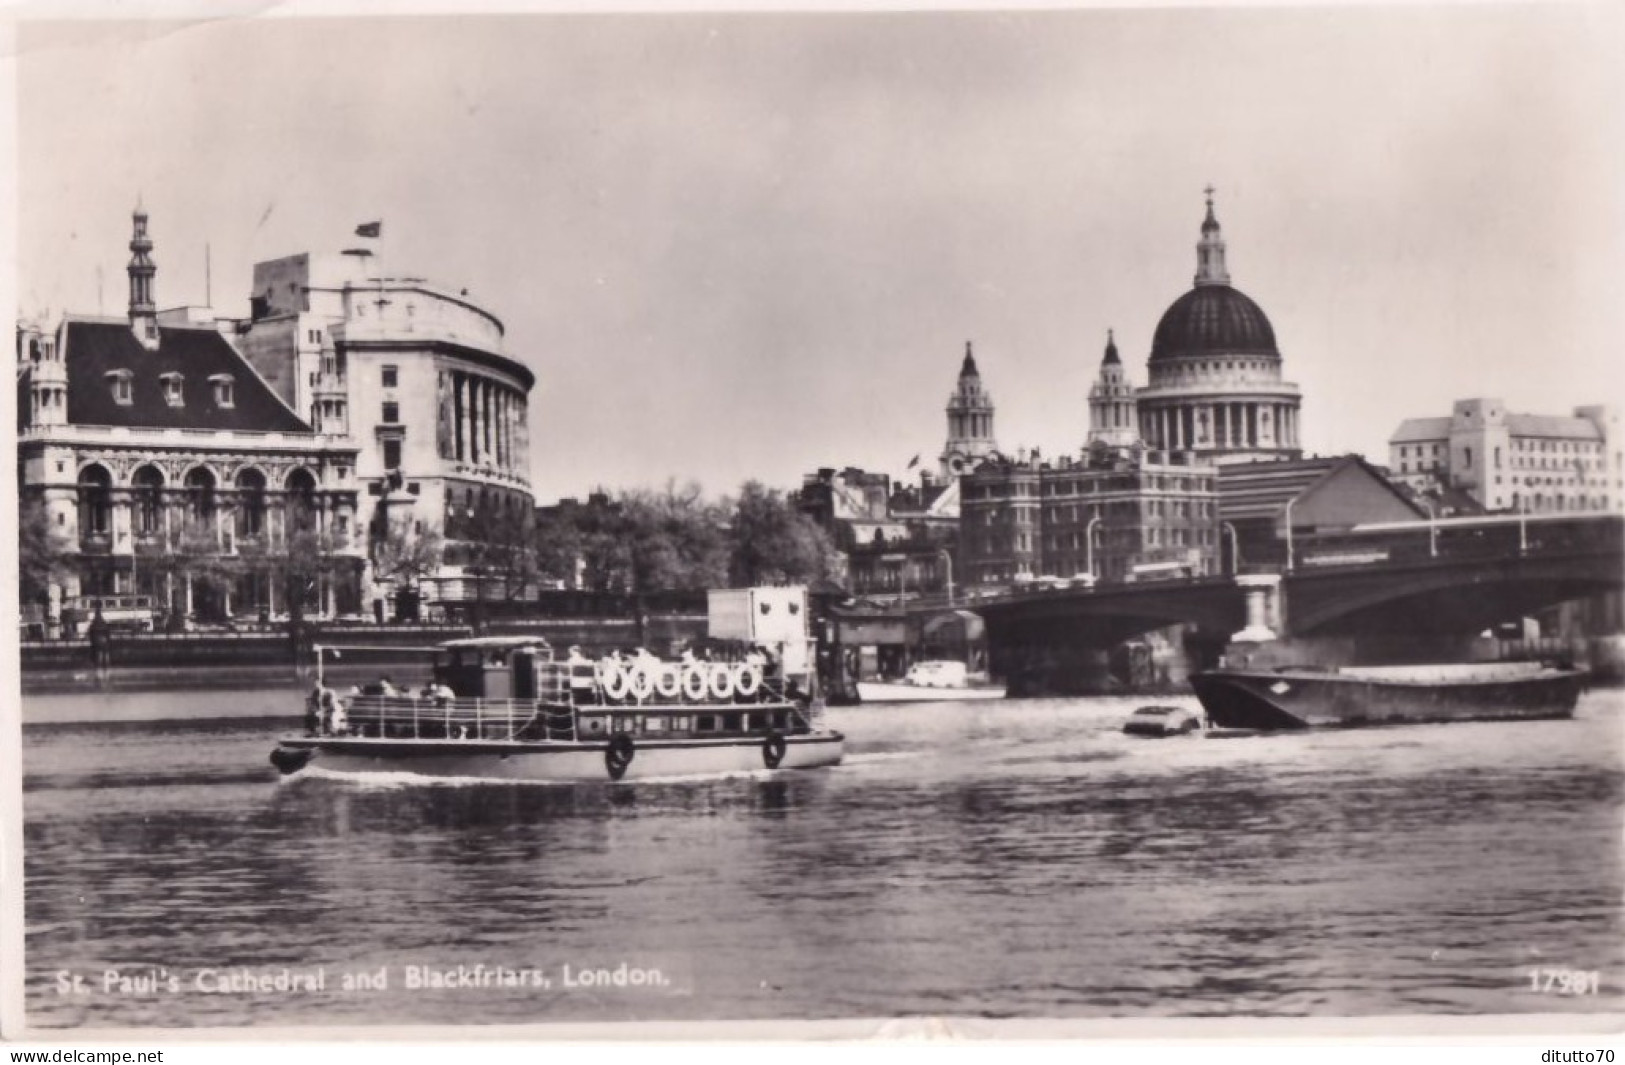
<point x="747" y="245"/>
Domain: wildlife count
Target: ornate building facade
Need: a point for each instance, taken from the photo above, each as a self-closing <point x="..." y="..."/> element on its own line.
<point x="1215" y="371"/>
<point x="171" y="470"/>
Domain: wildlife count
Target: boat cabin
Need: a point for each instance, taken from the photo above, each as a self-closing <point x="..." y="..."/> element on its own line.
<point x="496" y="667"/>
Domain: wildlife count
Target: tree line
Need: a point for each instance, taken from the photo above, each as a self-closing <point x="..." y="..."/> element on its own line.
<point x="634" y="542"/>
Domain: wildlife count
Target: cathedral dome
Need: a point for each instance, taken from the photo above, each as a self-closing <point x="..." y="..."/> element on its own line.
<point x="1213" y="319"/>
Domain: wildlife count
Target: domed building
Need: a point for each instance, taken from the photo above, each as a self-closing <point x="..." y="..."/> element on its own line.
<point x="1215" y="371"/>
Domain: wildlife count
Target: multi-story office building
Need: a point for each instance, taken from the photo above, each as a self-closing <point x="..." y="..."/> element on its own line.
<point x="1115" y="517"/>
<point x="414" y="373"/>
<point x="1508" y="461"/>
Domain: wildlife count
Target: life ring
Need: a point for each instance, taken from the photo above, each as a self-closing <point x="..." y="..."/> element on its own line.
<point x="669" y="683"/>
<point x="614" y="680"/>
<point x="640" y="682"/>
<point x="748" y="680"/>
<point x="618" y="755"/>
<point x="773" y="749"/>
<point x="722" y="681"/>
<point x="694" y="682"/>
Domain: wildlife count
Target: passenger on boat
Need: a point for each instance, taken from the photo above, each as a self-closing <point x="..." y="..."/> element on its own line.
<point x="440" y="693"/>
<point x="313" y="711"/>
<point x="338" y="722"/>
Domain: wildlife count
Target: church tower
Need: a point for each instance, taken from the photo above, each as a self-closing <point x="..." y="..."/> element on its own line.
<point x="970" y="422"/>
<point x="1111" y="403"/>
<point x="143" y="312"/>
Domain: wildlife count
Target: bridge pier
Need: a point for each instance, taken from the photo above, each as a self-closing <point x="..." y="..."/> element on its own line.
<point x="1263" y="592"/>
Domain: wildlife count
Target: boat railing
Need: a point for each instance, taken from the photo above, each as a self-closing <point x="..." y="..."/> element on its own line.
<point x="459" y="718"/>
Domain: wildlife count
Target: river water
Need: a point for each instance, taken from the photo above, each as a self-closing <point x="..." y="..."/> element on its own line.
<point x="1004" y="859"/>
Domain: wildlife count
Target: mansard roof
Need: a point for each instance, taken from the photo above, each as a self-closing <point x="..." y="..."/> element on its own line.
<point x="94" y="348"/>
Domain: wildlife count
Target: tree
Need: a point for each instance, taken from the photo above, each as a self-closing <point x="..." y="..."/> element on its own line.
<point x="44" y="552"/>
<point x="190" y="552"/>
<point x="299" y="565"/>
<point x="771" y="542"/>
<point x="403" y="556"/>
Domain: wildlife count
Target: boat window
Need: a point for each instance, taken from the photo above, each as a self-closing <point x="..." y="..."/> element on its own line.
<point x="705" y="723"/>
<point x="730" y="722"/>
<point x="679" y="724"/>
<point x="621" y="724"/>
<point x="779" y="719"/>
<point x="593" y="724"/>
<point x="654" y="724"/>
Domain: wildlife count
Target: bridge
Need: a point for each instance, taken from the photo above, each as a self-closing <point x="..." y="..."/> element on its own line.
<point x="1452" y="577"/>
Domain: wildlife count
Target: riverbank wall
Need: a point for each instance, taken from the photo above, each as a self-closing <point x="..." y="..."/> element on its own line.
<point x="155" y="661"/>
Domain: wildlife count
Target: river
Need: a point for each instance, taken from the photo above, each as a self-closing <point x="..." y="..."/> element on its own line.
<point x="1003" y="859"/>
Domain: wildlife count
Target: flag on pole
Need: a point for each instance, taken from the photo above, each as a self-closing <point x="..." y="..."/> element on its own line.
<point x="913" y="462"/>
<point x="370" y="229"/>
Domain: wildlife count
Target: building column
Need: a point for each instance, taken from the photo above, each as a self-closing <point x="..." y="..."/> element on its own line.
<point x="1224" y="411"/>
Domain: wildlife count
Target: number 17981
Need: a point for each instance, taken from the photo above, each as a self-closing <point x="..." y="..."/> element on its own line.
<point x="1564" y="981"/>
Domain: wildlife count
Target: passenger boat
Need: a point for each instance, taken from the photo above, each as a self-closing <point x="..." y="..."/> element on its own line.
<point x="929" y="682"/>
<point x="507" y="708"/>
<point x="1386" y="695"/>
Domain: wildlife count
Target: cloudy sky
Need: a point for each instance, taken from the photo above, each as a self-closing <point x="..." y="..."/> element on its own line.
<point x="748" y="245"/>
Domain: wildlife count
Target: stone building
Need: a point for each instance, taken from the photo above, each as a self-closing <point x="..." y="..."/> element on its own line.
<point x="1114" y="515"/>
<point x="171" y="469"/>
<point x="1215" y="371"/>
<point x="1533" y="463"/>
<point x="417" y="376"/>
<point x="893" y="539"/>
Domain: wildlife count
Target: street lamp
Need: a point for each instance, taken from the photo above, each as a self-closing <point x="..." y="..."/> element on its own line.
<point x="1289" y="505"/>
<point x="1235" y="547"/>
<point x="1089" y="544"/>
<point x="948" y="562"/>
<point x="1433" y="528"/>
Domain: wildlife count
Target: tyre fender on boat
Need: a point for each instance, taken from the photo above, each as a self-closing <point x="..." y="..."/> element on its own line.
<point x="669" y="684"/>
<point x="619" y="754"/>
<point x="748" y="679"/>
<point x="773" y="749"/>
<point x="722" y="681"/>
<point x="694" y="682"/>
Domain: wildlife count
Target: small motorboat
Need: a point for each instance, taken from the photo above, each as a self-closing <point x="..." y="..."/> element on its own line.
<point x="1162" y="721"/>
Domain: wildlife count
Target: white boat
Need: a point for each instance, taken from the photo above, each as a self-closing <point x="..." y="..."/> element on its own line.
<point x="930" y="681"/>
<point x="508" y="708"/>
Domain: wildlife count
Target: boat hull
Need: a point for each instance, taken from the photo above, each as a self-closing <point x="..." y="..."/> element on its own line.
<point x="887" y="692"/>
<point x="1235" y="699"/>
<point x="556" y="762"/>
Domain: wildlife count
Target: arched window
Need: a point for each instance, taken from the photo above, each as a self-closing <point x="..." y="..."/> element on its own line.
<point x="148" y="483"/>
<point x="250" y="503"/>
<point x="200" y="497"/>
<point x="301" y="500"/>
<point x="95" y="501"/>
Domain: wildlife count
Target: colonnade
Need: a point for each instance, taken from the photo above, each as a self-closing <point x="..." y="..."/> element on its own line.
<point x="487" y="422"/>
<point x="1220" y="425"/>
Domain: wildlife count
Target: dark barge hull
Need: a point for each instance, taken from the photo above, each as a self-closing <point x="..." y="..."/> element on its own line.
<point x="1235" y="699"/>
